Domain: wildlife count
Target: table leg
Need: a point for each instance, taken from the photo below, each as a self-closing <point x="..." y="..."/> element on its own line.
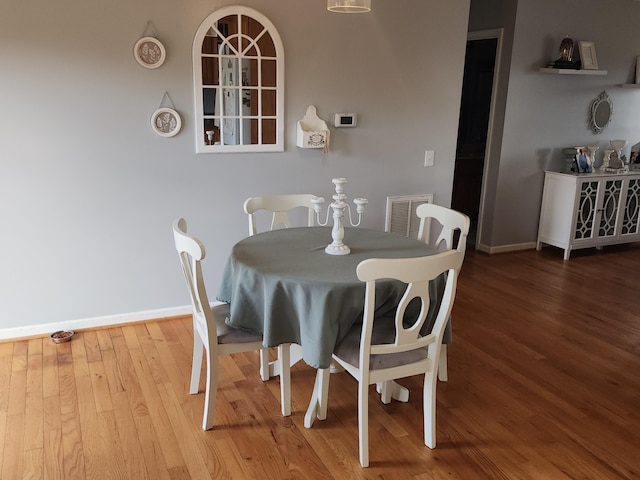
<point x="391" y="390"/>
<point x="318" y="404"/>
<point x="295" y="355"/>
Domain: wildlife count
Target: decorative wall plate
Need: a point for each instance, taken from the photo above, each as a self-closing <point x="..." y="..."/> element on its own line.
<point x="166" y="122"/>
<point x="149" y="52"/>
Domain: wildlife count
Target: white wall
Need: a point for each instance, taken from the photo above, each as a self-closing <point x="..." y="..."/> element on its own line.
<point x="88" y="191"/>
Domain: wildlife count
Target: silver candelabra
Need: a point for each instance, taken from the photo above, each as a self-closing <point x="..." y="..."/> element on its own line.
<point x="337" y="247"/>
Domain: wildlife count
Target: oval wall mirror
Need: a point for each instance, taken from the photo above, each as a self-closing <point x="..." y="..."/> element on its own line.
<point x="600" y="112"/>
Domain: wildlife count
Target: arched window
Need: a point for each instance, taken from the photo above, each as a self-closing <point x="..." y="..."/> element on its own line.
<point x="238" y="75"/>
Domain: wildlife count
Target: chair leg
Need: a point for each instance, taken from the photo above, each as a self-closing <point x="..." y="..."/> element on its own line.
<point x="196" y="363"/>
<point x="211" y="391"/>
<point x="363" y="422"/>
<point x="285" y="378"/>
<point x="264" y="364"/>
<point x="443" y="374"/>
<point x="429" y="407"/>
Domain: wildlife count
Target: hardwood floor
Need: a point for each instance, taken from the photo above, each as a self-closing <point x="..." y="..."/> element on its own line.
<point x="544" y="383"/>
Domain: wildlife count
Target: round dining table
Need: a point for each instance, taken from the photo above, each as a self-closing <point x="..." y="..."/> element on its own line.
<point x="281" y="284"/>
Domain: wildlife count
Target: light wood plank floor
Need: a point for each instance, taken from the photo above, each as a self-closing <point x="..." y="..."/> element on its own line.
<point x="544" y="383"/>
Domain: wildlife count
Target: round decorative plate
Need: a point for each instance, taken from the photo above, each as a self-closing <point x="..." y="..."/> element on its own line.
<point x="166" y="122"/>
<point x="149" y="52"/>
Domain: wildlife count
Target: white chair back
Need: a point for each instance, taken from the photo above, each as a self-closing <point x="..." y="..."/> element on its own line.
<point x="450" y="220"/>
<point x="280" y="206"/>
<point x="191" y="252"/>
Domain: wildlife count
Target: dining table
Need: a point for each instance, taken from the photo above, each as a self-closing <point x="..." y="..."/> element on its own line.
<point x="282" y="285"/>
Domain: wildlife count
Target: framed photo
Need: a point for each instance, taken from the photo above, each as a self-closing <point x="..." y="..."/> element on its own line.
<point x="149" y="52"/>
<point x="582" y="161"/>
<point x="588" y="55"/>
<point x="166" y="122"/>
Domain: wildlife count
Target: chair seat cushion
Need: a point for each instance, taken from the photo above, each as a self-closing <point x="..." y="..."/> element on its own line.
<point x="227" y="334"/>
<point x="383" y="333"/>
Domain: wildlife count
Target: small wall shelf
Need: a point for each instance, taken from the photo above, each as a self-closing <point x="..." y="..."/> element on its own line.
<point x="571" y="71"/>
<point x="630" y="85"/>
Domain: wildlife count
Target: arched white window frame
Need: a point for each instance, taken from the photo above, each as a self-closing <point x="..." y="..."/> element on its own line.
<point x="202" y="145"/>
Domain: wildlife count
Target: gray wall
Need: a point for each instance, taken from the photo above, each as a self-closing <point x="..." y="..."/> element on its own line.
<point x="545" y="113"/>
<point x="88" y="191"/>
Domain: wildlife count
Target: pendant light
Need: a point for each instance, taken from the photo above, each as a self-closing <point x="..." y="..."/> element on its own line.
<point x="349" y="6"/>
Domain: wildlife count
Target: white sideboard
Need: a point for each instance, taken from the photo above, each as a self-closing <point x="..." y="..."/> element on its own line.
<point x="589" y="210"/>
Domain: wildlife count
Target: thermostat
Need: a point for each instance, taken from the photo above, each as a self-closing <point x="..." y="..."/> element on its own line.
<point x="345" y="120"/>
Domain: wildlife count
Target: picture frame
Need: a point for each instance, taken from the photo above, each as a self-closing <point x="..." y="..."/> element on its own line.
<point x="637" y="70"/>
<point x="166" y="122"/>
<point x="583" y="163"/>
<point x="588" y="55"/>
<point x="149" y="52"/>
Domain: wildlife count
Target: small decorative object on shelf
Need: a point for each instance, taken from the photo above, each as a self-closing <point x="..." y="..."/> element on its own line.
<point x="566" y="60"/>
<point x="634" y="157"/>
<point x="584" y="166"/>
<point x="588" y="59"/>
<point x="570" y="164"/>
<point x="617" y="159"/>
<point x="592" y="156"/>
<point x="337" y="247"/>
<point x="606" y="159"/>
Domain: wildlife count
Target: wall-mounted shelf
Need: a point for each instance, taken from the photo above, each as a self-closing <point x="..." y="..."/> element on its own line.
<point x="571" y="71"/>
<point x="630" y="85"/>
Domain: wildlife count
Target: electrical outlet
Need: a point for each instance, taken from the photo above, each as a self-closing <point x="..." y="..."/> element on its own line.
<point x="429" y="157"/>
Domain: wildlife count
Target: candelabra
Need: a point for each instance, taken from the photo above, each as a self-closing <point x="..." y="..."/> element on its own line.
<point x="337" y="247"/>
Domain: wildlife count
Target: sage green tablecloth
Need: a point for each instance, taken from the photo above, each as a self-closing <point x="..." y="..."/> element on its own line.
<point x="284" y="286"/>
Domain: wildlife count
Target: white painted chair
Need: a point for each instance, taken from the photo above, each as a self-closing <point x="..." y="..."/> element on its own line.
<point x="450" y="221"/>
<point x="210" y="330"/>
<point x="280" y="206"/>
<point x="389" y="349"/>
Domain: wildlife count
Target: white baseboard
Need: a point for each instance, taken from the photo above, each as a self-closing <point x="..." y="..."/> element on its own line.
<point x="84" y="323"/>
<point x="506" y="248"/>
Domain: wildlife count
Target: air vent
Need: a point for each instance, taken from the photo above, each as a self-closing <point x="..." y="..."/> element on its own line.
<point x="401" y="214"/>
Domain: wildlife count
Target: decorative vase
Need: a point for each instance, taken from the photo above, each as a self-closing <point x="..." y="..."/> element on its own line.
<point x="592" y="156"/>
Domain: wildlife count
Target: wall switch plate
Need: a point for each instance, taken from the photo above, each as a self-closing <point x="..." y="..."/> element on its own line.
<point x="429" y="158"/>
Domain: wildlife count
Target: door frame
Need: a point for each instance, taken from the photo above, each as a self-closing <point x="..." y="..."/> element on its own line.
<point x="496" y="33"/>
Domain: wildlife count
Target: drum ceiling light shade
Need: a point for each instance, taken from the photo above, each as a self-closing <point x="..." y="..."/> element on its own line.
<point x="349" y="6"/>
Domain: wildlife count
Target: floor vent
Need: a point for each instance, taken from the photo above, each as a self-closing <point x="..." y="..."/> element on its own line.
<point x="401" y="214"/>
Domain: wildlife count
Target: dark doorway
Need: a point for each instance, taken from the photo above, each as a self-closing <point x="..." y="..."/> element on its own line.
<point x="475" y="107"/>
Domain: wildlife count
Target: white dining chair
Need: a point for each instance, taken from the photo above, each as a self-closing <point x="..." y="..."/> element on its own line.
<point x="280" y="208"/>
<point x="211" y="333"/>
<point x="450" y="222"/>
<point x="390" y="348"/>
